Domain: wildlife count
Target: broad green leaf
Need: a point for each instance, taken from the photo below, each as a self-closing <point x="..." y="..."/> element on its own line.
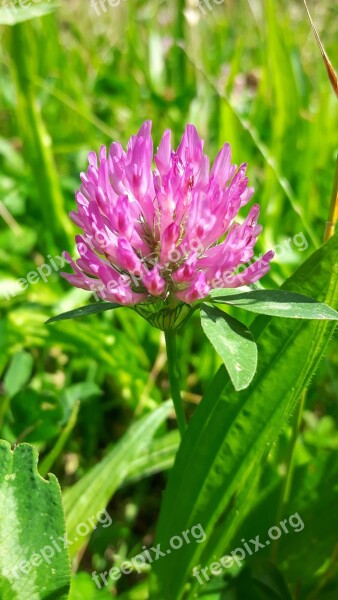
<point x="230" y="433"/>
<point x="234" y="343"/>
<point x="16" y="377"/>
<point x="90" y="309"/>
<point x="90" y="495"/>
<point x="34" y="562"/>
<point x="18" y="373"/>
<point x="276" y="303"/>
<point x="12" y="13"/>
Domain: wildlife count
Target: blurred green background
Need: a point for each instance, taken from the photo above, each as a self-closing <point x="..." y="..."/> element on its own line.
<point x="246" y="72"/>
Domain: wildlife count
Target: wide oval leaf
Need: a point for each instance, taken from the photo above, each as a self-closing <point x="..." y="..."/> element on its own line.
<point x="234" y="343"/>
<point x="34" y="559"/>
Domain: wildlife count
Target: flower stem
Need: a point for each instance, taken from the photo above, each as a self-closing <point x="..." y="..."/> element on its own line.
<point x="174" y="380"/>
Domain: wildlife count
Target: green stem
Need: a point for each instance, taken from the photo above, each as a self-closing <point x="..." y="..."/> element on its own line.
<point x="174" y="380"/>
<point x="290" y="466"/>
<point x="47" y="463"/>
<point x="4" y="406"/>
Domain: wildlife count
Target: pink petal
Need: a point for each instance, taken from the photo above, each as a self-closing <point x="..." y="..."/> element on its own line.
<point x="222" y="169"/>
<point x="198" y="289"/>
<point x="154" y="283"/>
<point x="257" y="270"/>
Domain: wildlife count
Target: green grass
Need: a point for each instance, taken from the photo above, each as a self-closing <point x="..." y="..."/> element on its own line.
<point x="249" y="73"/>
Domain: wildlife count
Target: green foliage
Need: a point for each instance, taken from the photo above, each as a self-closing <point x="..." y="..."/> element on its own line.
<point x="31" y="519"/>
<point x="90" y="496"/>
<point x="230" y="433"/>
<point x="277" y="303"/>
<point x="18" y="373"/>
<point x="90" y="309"/>
<point x="19" y="13"/>
<point x="83" y="588"/>
<point x="233" y="342"/>
<point x="88" y="393"/>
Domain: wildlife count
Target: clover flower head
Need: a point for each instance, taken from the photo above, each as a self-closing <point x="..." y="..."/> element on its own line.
<point x="163" y="231"/>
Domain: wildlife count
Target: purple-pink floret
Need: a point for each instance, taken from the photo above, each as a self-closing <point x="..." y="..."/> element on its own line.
<point x="153" y="233"/>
